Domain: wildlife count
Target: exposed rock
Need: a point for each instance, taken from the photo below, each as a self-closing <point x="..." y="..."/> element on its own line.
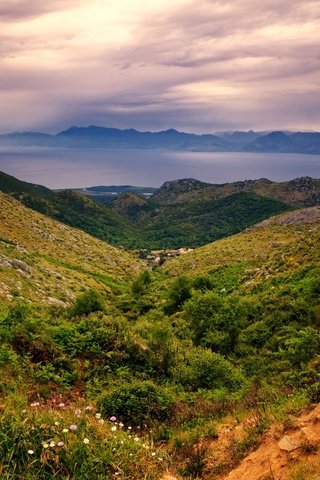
<point x="5" y="263"/>
<point x="310" y="436"/>
<point x="301" y="217"/>
<point x="287" y="444"/>
<point x="56" y="301"/>
<point x="15" y="262"/>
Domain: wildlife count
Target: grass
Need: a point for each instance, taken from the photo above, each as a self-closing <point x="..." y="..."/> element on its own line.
<point x="63" y="260"/>
<point x="306" y="471"/>
<point x="240" y="341"/>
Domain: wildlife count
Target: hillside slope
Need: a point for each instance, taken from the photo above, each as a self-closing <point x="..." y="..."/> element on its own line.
<point x="181" y="213"/>
<point x="47" y="261"/>
<point x="74" y="209"/>
<point x="271" y="247"/>
<point x="189" y="213"/>
<point x="186" y="368"/>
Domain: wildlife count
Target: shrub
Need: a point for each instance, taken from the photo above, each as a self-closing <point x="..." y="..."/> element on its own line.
<point x="202" y="283"/>
<point x="204" y="369"/>
<point x="140" y="284"/>
<point x="139" y="403"/>
<point x="178" y="294"/>
<point x="89" y="302"/>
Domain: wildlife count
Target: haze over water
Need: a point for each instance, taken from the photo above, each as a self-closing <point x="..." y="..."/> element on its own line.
<point x="71" y="168"/>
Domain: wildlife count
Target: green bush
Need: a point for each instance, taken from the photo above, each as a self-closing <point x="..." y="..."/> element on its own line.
<point x="140" y="284"/>
<point x="140" y="403"/>
<point x="178" y="294"/>
<point x="89" y="302"/>
<point x="204" y="369"/>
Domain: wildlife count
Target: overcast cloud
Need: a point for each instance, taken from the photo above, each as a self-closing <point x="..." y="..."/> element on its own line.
<point x="200" y="65"/>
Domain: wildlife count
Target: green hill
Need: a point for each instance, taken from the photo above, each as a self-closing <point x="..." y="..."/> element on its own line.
<point x="112" y="370"/>
<point x="75" y="210"/>
<point x="182" y="213"/>
<point x="190" y="213"/>
<point x="46" y="261"/>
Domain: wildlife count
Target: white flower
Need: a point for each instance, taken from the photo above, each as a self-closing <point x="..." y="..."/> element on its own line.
<point x="31" y="452"/>
<point x="56" y="424"/>
<point x="136" y="439"/>
<point x="52" y="444"/>
<point x="65" y="430"/>
<point x="86" y="441"/>
<point x="114" y="428"/>
<point x="153" y="454"/>
<point x="98" y="415"/>
<point x="45" y="445"/>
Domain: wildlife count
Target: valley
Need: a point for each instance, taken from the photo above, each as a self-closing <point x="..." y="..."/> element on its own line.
<point x="186" y="370"/>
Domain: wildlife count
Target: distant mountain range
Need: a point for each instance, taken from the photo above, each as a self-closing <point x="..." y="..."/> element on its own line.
<point x="101" y="137"/>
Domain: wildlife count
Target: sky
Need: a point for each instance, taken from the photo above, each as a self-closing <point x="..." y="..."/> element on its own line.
<point x="198" y="66"/>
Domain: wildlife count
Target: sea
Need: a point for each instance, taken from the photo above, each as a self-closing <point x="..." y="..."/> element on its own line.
<point x="79" y="168"/>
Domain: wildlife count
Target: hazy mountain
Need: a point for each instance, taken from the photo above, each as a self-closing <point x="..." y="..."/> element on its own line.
<point x="101" y="137"/>
<point x="277" y="142"/>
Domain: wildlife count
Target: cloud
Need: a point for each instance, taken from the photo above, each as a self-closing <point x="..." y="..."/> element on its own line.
<point x="18" y="10"/>
<point x="199" y="65"/>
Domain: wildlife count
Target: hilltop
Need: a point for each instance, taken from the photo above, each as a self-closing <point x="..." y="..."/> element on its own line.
<point x="189" y="213"/>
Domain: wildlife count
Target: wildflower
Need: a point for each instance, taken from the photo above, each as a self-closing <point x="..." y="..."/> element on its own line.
<point x="114" y="428"/>
<point x="65" y="430"/>
<point x="98" y="415"/>
<point x="73" y="428"/>
<point x="60" y="444"/>
<point x="129" y="428"/>
<point x="121" y="425"/>
<point x="31" y="452"/>
<point x="153" y="454"/>
<point x="52" y="444"/>
<point x="78" y="412"/>
<point x="86" y="441"/>
<point x="136" y="439"/>
<point x="113" y="419"/>
<point x="45" y="445"/>
<point x="56" y="424"/>
<point x="88" y="408"/>
<point x="35" y="404"/>
<point x="61" y="405"/>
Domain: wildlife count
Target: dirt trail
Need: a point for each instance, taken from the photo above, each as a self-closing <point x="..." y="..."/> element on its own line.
<point x="281" y="450"/>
